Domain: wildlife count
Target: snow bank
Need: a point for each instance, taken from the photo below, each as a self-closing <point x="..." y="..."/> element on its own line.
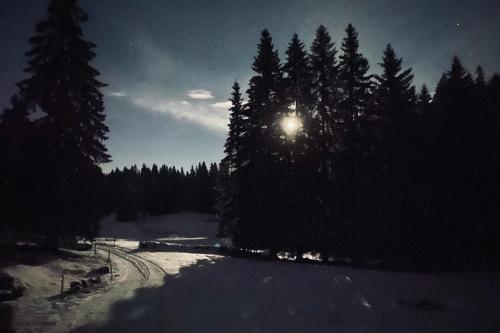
<point x="40" y="306"/>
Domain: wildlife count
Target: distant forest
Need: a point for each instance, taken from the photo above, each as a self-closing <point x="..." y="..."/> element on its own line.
<point x="160" y="190"/>
<point x="324" y="156"/>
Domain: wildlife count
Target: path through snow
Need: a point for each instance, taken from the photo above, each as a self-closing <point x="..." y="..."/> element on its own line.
<point x="210" y="293"/>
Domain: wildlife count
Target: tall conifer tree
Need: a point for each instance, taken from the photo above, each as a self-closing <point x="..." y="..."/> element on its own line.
<point x="392" y="123"/>
<point x="226" y="180"/>
<point x="64" y="85"/>
<point x="325" y="137"/>
<point x="355" y="85"/>
<point x="297" y="164"/>
<point x="257" y="173"/>
<point x="354" y="77"/>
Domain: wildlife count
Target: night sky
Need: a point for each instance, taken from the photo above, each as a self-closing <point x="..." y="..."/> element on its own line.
<point x="170" y="64"/>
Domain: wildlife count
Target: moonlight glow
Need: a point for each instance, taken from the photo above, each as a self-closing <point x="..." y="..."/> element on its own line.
<point x="291" y="125"/>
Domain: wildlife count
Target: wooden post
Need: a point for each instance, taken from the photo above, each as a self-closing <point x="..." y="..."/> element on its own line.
<point x="95" y="249"/>
<point x="114" y="241"/>
<point x="111" y="269"/>
<point x="109" y="256"/>
<point x="62" y="283"/>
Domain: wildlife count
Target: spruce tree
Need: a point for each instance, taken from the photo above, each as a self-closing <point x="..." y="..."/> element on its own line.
<point x="64" y="85"/>
<point x="424" y="100"/>
<point x="480" y="79"/>
<point x="355" y="86"/>
<point x="325" y="136"/>
<point x="456" y="174"/>
<point x="394" y="102"/>
<point x="325" y="83"/>
<point x="296" y="163"/>
<point x="236" y="128"/>
<point x="298" y="80"/>
<point x="355" y="81"/>
<point x="395" y="94"/>
<point x="226" y="180"/>
<point x="392" y="124"/>
<point x="257" y="172"/>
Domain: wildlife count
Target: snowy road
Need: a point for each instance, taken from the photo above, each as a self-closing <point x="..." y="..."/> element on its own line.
<point x="145" y="267"/>
<point x="210" y="293"/>
<point x="131" y="272"/>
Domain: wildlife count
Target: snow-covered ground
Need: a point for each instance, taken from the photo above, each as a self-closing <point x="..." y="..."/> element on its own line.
<point x="193" y="292"/>
<point x="183" y="228"/>
<point x="41" y="309"/>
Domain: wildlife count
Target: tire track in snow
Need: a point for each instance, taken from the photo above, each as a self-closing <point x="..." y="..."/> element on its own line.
<point x="134" y="260"/>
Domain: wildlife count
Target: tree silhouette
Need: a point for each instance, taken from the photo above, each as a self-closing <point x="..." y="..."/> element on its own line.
<point x="297" y="165"/>
<point x="375" y="170"/>
<point x="257" y="174"/>
<point x="226" y="181"/>
<point x="325" y="135"/>
<point x="63" y="85"/>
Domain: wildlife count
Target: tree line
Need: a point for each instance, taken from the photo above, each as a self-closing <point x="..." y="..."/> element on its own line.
<point x="159" y="190"/>
<point x="324" y="156"/>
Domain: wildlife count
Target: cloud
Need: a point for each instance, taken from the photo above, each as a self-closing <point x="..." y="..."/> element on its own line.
<point x="212" y="118"/>
<point x="117" y="94"/>
<point x="200" y="94"/>
<point x="223" y="105"/>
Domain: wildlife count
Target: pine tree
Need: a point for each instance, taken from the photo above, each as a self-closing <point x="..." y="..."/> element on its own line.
<point x="236" y="127"/>
<point x="325" y="72"/>
<point x="480" y="79"/>
<point x="298" y="80"/>
<point x="424" y="101"/>
<point x="296" y="165"/>
<point x="257" y="174"/>
<point x="395" y="94"/>
<point x="393" y="123"/>
<point x="64" y="85"/>
<point x="394" y="101"/>
<point x="355" y="86"/>
<point x="453" y="98"/>
<point x="226" y="180"/>
<point x="325" y="85"/>
<point x="324" y="138"/>
<point x="456" y="174"/>
<point x="213" y="174"/>
<point x="354" y="79"/>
